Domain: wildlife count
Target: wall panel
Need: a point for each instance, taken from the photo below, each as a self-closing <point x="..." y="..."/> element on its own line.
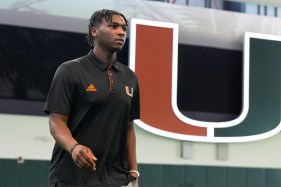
<point x="34" y="173"/>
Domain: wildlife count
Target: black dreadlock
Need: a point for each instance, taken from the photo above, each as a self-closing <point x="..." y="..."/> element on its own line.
<point x="96" y="20"/>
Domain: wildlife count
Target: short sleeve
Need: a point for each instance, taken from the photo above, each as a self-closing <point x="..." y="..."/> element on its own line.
<point x="61" y="92"/>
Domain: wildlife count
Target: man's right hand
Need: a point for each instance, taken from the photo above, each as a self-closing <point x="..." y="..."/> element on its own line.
<point x="83" y="157"/>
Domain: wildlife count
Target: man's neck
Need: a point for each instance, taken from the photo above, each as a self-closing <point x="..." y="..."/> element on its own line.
<point x="105" y="56"/>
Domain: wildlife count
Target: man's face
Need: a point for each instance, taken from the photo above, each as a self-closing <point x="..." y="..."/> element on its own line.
<point x="111" y="36"/>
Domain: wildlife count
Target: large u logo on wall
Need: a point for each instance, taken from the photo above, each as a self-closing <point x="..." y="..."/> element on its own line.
<point x="153" y="56"/>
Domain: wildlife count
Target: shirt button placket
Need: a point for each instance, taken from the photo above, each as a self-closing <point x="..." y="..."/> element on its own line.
<point x="109" y="72"/>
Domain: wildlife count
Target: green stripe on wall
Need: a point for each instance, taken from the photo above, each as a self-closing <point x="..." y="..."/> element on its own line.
<point x="34" y="173"/>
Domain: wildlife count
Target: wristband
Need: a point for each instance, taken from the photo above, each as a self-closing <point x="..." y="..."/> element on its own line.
<point x="71" y="150"/>
<point x="135" y="171"/>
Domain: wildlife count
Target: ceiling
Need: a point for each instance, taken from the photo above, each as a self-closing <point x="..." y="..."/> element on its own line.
<point x="276" y="3"/>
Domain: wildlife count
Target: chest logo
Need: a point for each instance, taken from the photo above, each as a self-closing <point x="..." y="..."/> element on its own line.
<point x="128" y="91"/>
<point x="91" y="88"/>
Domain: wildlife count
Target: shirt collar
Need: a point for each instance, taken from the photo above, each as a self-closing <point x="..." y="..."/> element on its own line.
<point x="99" y="63"/>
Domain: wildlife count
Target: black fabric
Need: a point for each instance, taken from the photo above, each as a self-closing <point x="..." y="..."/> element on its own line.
<point x="97" y="118"/>
<point x="128" y="180"/>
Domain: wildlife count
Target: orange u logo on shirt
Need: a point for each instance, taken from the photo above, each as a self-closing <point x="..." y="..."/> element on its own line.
<point x="128" y="91"/>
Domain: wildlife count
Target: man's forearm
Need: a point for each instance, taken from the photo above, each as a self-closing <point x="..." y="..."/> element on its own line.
<point x="60" y="131"/>
<point x="131" y="147"/>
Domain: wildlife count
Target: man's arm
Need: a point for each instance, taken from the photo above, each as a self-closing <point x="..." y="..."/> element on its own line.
<point x="81" y="155"/>
<point x="131" y="149"/>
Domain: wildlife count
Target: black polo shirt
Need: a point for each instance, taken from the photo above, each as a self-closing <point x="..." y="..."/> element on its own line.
<point x="99" y="101"/>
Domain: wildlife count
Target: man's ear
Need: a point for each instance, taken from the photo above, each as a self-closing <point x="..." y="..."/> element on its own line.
<point x="94" y="32"/>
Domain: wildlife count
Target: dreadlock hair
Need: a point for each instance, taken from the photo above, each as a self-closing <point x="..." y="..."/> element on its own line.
<point x="96" y="19"/>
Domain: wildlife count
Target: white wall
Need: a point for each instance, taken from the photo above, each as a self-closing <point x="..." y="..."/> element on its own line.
<point x="29" y="137"/>
<point x="159" y="150"/>
<point x="25" y="136"/>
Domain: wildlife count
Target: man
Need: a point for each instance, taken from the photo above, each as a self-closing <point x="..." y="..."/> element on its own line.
<point x="92" y="103"/>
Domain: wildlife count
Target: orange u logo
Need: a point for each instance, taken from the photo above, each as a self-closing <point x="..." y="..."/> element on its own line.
<point x="156" y="45"/>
